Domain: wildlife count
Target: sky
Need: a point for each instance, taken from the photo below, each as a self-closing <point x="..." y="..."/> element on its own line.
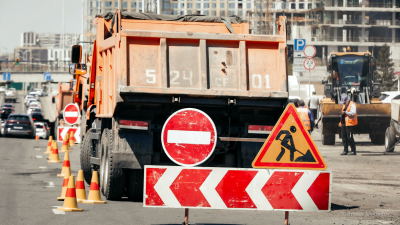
<point x="41" y="16"/>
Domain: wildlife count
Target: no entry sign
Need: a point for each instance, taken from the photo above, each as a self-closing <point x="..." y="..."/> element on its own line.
<point x="189" y="137"/>
<point x="229" y="188"/>
<point x="71" y="114"/>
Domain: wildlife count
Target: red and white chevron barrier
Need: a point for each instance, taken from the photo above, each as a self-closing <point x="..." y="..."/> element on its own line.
<point x="62" y="131"/>
<point x="227" y="188"/>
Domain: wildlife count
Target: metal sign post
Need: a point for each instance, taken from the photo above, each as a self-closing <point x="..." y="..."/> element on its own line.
<point x="309" y="64"/>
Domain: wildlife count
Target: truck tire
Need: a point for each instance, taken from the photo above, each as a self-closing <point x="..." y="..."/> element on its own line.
<point x="328" y="139"/>
<point x="85" y="154"/>
<point x="112" y="178"/>
<point x="390" y="139"/>
<point x="135" y="185"/>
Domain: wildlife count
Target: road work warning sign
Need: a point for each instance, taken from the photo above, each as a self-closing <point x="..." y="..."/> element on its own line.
<point x="289" y="146"/>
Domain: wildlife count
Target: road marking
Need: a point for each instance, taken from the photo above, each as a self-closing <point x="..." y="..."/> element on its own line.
<point x="42" y="167"/>
<point x="51" y="184"/>
<point x="36" y="148"/>
<point x="39" y="156"/>
<point x="56" y="211"/>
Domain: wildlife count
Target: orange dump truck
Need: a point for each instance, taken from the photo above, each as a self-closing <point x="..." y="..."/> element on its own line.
<point x="145" y="67"/>
<point x="63" y="98"/>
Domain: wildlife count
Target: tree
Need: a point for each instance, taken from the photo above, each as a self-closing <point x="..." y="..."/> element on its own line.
<point x="385" y="69"/>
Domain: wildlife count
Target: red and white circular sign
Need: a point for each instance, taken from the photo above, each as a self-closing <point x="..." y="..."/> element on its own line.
<point x="71" y="113"/>
<point x="309" y="51"/>
<point x="189" y="137"/>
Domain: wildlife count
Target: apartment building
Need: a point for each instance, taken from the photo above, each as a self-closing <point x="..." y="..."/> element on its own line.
<point x="45" y="47"/>
<point x="330" y="25"/>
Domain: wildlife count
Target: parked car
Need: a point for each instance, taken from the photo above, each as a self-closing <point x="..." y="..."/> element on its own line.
<point x="19" y="125"/>
<point x="30" y="101"/>
<point x="387" y="96"/>
<point x="5" y="112"/>
<point x="42" y="130"/>
<point x="29" y="97"/>
<point x="35" y="105"/>
<point x="38" y="117"/>
<point x="9" y="106"/>
<point x="34" y="109"/>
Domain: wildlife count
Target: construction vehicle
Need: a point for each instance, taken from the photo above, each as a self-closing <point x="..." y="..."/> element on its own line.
<point x="63" y="98"/>
<point x="393" y="131"/>
<point x="353" y="75"/>
<point x="145" y="67"/>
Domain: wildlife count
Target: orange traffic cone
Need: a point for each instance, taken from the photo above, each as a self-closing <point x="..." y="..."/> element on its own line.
<point x="66" y="169"/>
<point x="54" y="157"/>
<point x="70" y="203"/>
<point x="65" y="143"/>
<point x="71" y="139"/>
<point x="37" y="137"/>
<point x="64" y="188"/>
<point x="94" y="192"/>
<point x="51" y="150"/>
<point x="49" y="145"/>
<point x="80" y="187"/>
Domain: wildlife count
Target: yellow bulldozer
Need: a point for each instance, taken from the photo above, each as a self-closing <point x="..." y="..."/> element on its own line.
<point x="353" y="75"/>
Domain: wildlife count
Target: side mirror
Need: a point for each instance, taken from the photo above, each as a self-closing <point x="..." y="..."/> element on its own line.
<point x="378" y="80"/>
<point x="76" y="54"/>
<point x="77" y="69"/>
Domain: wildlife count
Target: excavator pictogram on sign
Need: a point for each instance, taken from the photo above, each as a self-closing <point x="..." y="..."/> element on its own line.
<point x="289" y="146"/>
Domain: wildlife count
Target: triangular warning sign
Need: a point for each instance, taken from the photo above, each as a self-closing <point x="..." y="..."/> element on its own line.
<point x="289" y="146"/>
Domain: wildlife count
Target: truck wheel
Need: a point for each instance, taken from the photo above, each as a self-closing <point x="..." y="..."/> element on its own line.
<point x="328" y="139"/>
<point x="135" y="185"/>
<point x="390" y="139"/>
<point x="85" y="154"/>
<point x="378" y="139"/>
<point x="112" y="178"/>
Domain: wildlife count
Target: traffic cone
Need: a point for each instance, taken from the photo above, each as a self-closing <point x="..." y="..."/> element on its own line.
<point x="54" y="157"/>
<point x="37" y="137"/>
<point x="70" y="203"/>
<point x="64" y="188"/>
<point x="65" y="143"/>
<point x="51" y="150"/>
<point x="66" y="169"/>
<point x="94" y="192"/>
<point x="71" y="139"/>
<point x="80" y="187"/>
<point x="49" y="145"/>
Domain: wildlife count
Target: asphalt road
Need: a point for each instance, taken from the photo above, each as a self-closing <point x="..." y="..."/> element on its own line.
<point x="366" y="190"/>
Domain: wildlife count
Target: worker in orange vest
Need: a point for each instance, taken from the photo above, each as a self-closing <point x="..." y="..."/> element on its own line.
<point x="306" y="116"/>
<point x="347" y="122"/>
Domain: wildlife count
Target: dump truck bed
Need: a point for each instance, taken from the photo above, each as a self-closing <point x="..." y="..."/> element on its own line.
<point x="197" y="59"/>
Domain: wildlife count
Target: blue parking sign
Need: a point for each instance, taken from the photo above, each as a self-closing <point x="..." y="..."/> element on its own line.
<point x="299" y="44"/>
<point x="6" y="76"/>
<point x="47" y="76"/>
